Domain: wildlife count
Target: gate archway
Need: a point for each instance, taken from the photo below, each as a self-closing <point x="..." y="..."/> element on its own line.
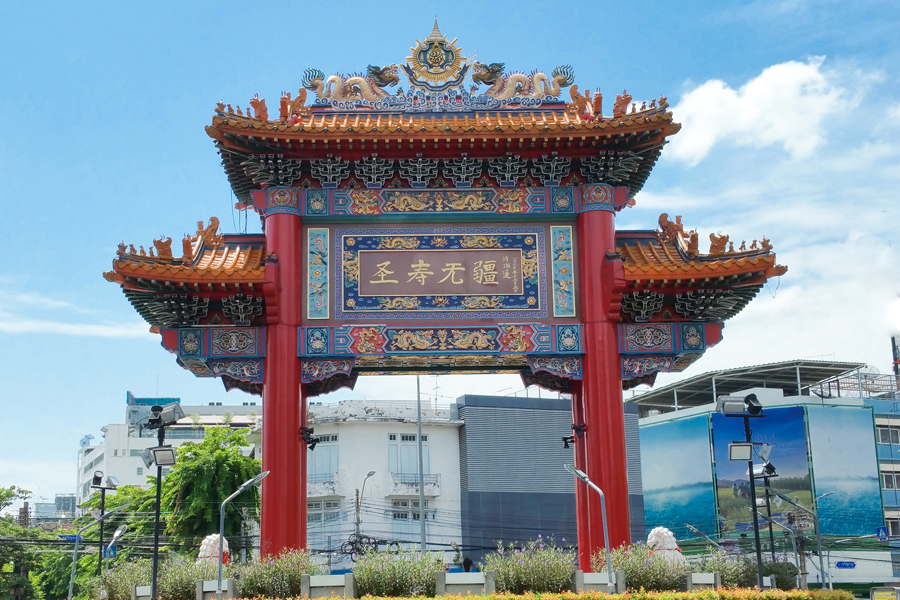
<point x="441" y="229"/>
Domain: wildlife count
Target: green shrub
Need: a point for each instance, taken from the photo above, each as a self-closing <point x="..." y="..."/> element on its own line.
<point x="397" y="574"/>
<point x="736" y="570"/>
<point x="539" y="567"/>
<point x="643" y="568"/>
<point x="176" y="579"/>
<point x="784" y="571"/>
<point x="277" y="577"/>
<point x="119" y="580"/>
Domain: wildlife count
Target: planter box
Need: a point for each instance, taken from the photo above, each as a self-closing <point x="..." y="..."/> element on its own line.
<point x="598" y="582"/>
<point x="703" y="581"/>
<point x="464" y="583"/>
<point x="206" y="590"/>
<point x="324" y="586"/>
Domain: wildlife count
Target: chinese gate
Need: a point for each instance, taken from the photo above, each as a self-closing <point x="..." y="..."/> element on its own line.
<point x="441" y="230"/>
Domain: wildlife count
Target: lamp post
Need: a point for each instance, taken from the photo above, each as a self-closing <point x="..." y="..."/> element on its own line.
<point x="97" y="484"/>
<point x="421" y="465"/>
<point x="746" y="408"/>
<point x="610" y="586"/>
<point x="791" y="533"/>
<point x="78" y="539"/>
<point x="163" y="456"/>
<point x="122" y="529"/>
<point x="243" y="488"/>
<point x="815" y="518"/>
<point x="359" y="497"/>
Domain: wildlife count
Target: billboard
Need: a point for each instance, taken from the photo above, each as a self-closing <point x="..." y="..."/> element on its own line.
<point x="846" y="468"/>
<point x="677" y="476"/>
<point x="785" y="430"/>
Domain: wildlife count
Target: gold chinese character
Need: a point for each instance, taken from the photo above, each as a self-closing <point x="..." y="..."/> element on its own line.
<point x="485" y="272"/>
<point x="419" y="272"/>
<point x="452" y="268"/>
<point x="382" y="273"/>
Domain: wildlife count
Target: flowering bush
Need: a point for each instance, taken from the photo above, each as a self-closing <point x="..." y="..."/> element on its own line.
<point x="539" y="567"/>
<point x="643" y="568"/>
<point x="277" y="577"/>
<point x="723" y="594"/>
<point x="176" y="579"/>
<point x="397" y="574"/>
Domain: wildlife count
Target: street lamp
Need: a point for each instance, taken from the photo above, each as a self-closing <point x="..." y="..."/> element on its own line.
<point x="815" y="518"/>
<point x="164" y="456"/>
<point x="97" y="484"/>
<point x="745" y="408"/>
<point x="122" y="529"/>
<point x="359" y="496"/>
<point x="610" y="586"/>
<point x="78" y="539"/>
<point x="243" y="488"/>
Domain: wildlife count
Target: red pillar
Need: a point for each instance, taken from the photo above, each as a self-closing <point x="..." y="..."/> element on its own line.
<point x="581" y="488"/>
<point x="283" y="517"/>
<point x="600" y="295"/>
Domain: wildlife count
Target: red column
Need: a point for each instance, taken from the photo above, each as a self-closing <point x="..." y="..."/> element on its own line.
<point x="581" y="488"/>
<point x="600" y="295"/>
<point x="283" y="518"/>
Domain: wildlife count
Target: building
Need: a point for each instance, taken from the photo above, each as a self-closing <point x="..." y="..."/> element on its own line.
<point x="514" y="486"/>
<point x="356" y="437"/>
<point x="835" y="437"/>
<point x="493" y="474"/>
<point x="119" y="452"/>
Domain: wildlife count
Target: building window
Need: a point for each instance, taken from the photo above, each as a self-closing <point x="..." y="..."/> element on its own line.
<point x="134" y="453"/>
<point x="322" y="463"/>
<point x="888" y="435"/>
<point x="392" y="437"/>
<point x="323" y="520"/>
<point x="889" y="480"/>
<point x="140" y="470"/>
<point x="403" y="457"/>
<point x="86" y="490"/>
<point x="407" y="509"/>
<point x="893" y="527"/>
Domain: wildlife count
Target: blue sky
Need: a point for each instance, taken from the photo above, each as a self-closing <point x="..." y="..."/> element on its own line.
<point x="791" y="114"/>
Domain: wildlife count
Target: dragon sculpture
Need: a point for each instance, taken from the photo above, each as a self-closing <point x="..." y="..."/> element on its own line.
<point x="355" y="87"/>
<point x="536" y="85"/>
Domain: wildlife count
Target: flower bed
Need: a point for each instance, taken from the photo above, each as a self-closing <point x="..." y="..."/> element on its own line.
<point x="721" y="594"/>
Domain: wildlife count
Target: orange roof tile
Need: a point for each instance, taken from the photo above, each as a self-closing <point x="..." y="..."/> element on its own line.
<point x="663" y="260"/>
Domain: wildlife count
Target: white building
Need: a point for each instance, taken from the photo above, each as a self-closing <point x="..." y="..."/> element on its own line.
<point x="358" y="436"/>
<point x="119" y="452"/>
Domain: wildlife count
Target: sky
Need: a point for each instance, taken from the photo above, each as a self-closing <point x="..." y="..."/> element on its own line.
<point x="790" y="113"/>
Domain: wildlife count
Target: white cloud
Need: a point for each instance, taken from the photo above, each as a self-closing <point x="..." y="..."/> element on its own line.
<point x="787" y="104"/>
<point x="30" y="301"/>
<point x="129" y="330"/>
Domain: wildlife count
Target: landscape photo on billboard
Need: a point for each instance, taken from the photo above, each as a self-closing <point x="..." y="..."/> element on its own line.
<point x="677" y="476"/>
<point x="845" y="464"/>
<point x="785" y="430"/>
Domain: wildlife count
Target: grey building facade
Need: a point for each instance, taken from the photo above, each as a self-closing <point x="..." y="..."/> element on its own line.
<point x="514" y="486"/>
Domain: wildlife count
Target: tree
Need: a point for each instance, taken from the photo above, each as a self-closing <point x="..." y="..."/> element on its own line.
<point x="16" y="558"/>
<point x="206" y="473"/>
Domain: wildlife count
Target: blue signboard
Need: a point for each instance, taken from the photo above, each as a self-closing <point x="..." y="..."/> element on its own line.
<point x="845" y="564"/>
<point x="70" y="538"/>
<point x="113" y="551"/>
<point x="882" y="534"/>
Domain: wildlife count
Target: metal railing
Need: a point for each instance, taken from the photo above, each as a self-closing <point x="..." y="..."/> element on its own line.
<point x="321" y="477"/>
<point x="414" y="478"/>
